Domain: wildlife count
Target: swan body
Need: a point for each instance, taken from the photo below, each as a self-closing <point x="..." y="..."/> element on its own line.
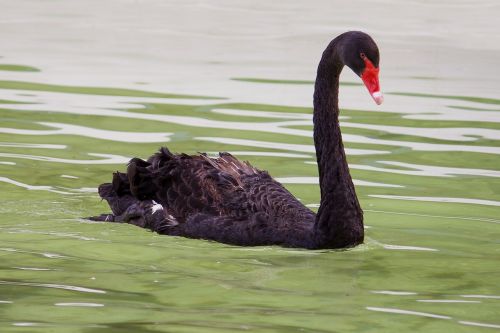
<point x="230" y="201"/>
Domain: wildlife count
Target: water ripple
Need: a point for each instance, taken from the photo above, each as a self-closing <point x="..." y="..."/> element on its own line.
<point x="421" y="146"/>
<point x="271" y="127"/>
<point x="438" y="199"/>
<point x="283" y="146"/>
<point x="445" y="301"/>
<point x="315" y="181"/>
<point x="264" y="114"/>
<point x="105" y="158"/>
<point x="459" y="115"/>
<point x="423" y="170"/>
<point x="406" y="247"/>
<point x="391" y="292"/>
<point x="31" y="187"/>
<point x="55" y="286"/>
<point x="471" y="218"/>
<point x="77" y="304"/>
<point x="68" y="129"/>
<point x="481" y="296"/>
<point x="407" y="312"/>
<point x="31" y="145"/>
<point x="438" y="133"/>
<point x="69" y="176"/>
<point x="474" y="323"/>
<point x="44" y="254"/>
<point x="54" y="233"/>
<point x="431" y="170"/>
<point x="33" y="269"/>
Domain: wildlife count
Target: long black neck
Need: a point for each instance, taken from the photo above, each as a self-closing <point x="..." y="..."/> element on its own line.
<point x="339" y="221"/>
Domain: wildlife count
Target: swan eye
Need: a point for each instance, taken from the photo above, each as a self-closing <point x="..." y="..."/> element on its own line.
<point x="363" y="56"/>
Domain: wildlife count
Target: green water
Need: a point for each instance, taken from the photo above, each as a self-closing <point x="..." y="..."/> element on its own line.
<point x="436" y="262"/>
<point x="77" y="103"/>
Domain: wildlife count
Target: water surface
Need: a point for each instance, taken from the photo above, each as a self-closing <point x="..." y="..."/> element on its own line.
<point x="77" y="103"/>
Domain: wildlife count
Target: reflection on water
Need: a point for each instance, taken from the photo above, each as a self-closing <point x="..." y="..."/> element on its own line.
<point x="30" y="187"/>
<point x="423" y="170"/>
<point x="283" y="146"/>
<point x="406" y="312"/>
<point x="106" y="159"/>
<point x="471" y="323"/>
<point x="68" y="129"/>
<point x="482" y="296"/>
<point x="55" y="286"/>
<point x="76" y="105"/>
<point x="390" y="292"/>
<point x="405" y="247"/>
<point x="92" y="305"/>
<point x="440" y="199"/>
<point x="315" y="181"/>
<point x="445" y="301"/>
<point x="31" y="145"/>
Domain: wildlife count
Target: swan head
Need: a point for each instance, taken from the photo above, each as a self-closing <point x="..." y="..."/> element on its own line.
<point x="360" y="53"/>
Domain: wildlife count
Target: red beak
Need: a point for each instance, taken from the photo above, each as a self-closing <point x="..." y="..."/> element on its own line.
<point x="370" y="79"/>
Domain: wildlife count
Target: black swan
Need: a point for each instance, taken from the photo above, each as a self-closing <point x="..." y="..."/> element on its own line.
<point x="230" y="201"/>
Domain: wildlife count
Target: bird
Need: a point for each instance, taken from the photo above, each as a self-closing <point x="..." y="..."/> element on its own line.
<point x="230" y="201"/>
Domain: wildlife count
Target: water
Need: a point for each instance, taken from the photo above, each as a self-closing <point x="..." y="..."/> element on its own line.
<point x="85" y="86"/>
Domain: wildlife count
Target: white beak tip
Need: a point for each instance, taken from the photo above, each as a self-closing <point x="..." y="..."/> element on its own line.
<point x="378" y="97"/>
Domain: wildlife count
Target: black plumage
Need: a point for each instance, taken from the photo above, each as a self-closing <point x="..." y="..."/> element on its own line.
<point x="230" y="201"/>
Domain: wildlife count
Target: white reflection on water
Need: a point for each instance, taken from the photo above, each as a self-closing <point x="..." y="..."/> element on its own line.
<point x="31" y="187"/>
<point x="315" y="181"/>
<point x="391" y="292"/>
<point x="470" y="218"/>
<point x="80" y="304"/>
<point x="44" y="254"/>
<point x="68" y="129"/>
<point x="33" y="269"/>
<point x="52" y="233"/>
<point x="446" y="133"/>
<point x="53" y="285"/>
<point x="430" y="170"/>
<point x="421" y="145"/>
<point x="445" y="301"/>
<point x="423" y="170"/>
<point x="31" y="145"/>
<point x="276" y="127"/>
<point x="105" y="158"/>
<point x="407" y="312"/>
<point x="85" y="189"/>
<point x="69" y="176"/>
<point x="266" y="114"/>
<point x="481" y="296"/>
<point x="408" y="248"/>
<point x="438" y="199"/>
<point x="474" y="323"/>
<point x="459" y="115"/>
<point x="284" y="146"/>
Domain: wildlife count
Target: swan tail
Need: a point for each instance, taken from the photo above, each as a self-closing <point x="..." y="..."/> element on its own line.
<point x="182" y="184"/>
<point x="140" y="177"/>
